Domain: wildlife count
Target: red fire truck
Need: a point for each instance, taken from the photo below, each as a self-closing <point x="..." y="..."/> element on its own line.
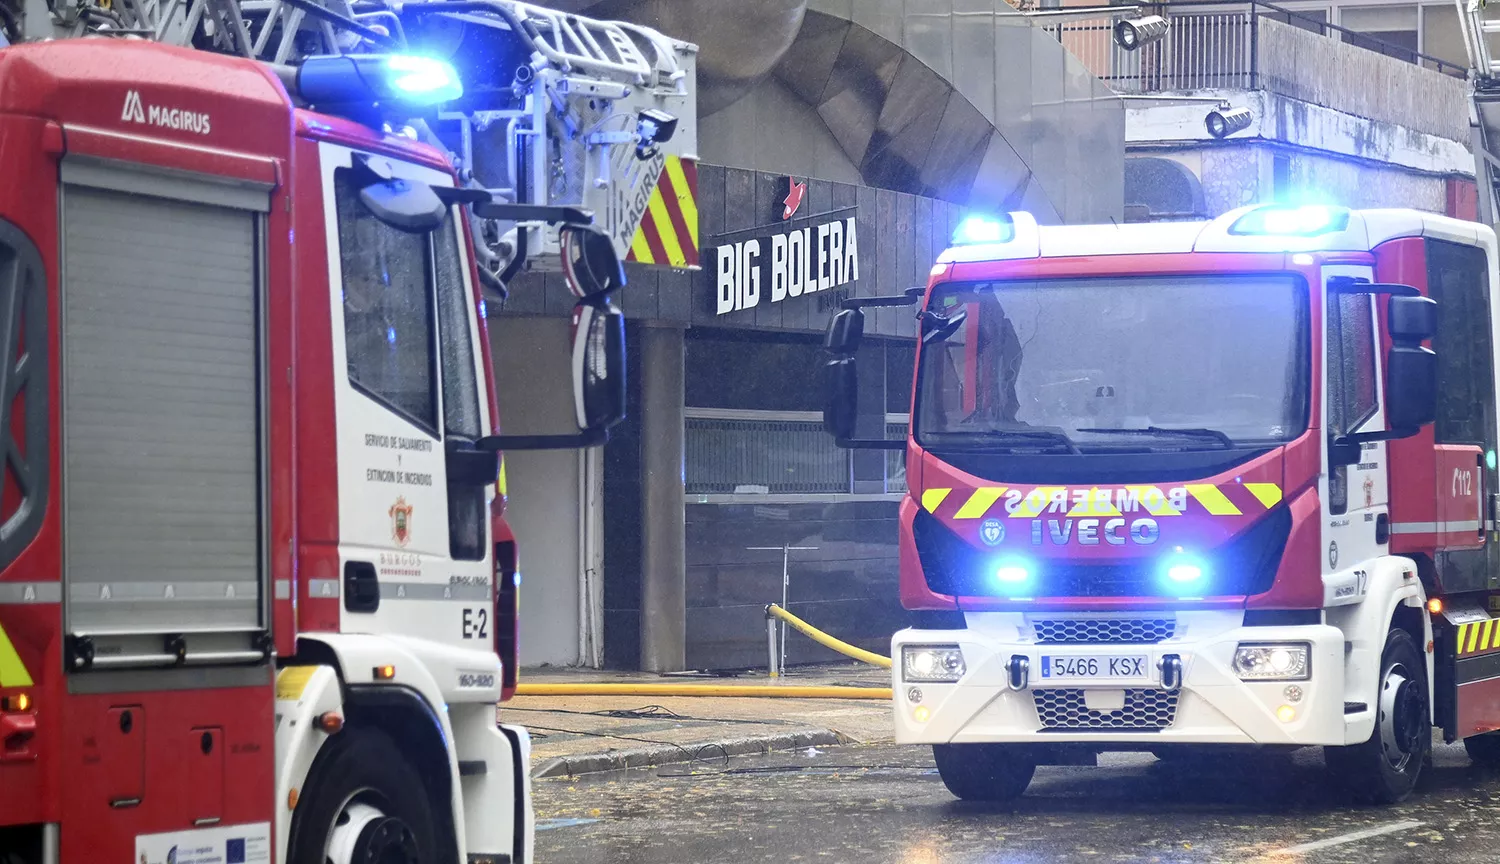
<point x="1184" y="486"/>
<point x="257" y="591"/>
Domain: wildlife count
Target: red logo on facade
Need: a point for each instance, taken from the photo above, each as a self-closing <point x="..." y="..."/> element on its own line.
<point x="401" y="522"/>
<point x="793" y="199"/>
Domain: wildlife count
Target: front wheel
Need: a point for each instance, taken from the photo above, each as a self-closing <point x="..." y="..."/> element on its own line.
<point x="984" y="772"/>
<point x="1384" y="769"/>
<point x="363" y="803"/>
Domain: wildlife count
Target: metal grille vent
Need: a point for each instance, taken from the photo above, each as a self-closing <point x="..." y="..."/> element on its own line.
<point x="1063" y="709"/>
<point x="1097" y="631"/>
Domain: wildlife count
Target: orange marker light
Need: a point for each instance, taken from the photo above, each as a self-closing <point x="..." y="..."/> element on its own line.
<point x="385" y="673"/>
<point x="23" y="702"/>
<point x="291" y="799"/>
<point x="1435" y="606"/>
<point x="330" y="722"/>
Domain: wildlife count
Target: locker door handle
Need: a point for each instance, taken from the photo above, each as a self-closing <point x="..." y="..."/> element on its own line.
<point x="361" y="587"/>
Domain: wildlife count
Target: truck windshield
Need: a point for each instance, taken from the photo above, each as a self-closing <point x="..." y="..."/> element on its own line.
<point x="1118" y="363"/>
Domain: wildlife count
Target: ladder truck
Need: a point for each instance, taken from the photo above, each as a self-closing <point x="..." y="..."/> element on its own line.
<point x="1196" y="487"/>
<point x="258" y="595"/>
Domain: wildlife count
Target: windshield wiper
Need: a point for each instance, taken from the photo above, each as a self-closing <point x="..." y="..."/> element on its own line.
<point x="1225" y="440"/>
<point x="1055" y="437"/>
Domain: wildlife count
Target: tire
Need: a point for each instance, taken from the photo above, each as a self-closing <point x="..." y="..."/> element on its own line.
<point x="363" y="801"/>
<point x="1385" y="769"/>
<point x="1484" y="750"/>
<point x="984" y="772"/>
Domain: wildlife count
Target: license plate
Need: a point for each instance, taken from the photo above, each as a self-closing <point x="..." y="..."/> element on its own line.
<point x="1097" y="667"/>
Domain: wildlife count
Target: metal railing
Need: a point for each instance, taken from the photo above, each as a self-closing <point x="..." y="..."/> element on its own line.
<point x="1210" y="45"/>
<point x="738" y="452"/>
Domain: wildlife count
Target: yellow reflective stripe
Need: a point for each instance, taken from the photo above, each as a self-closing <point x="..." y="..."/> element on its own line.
<point x="1494" y="640"/>
<point x="640" y="248"/>
<point x="931" y="498"/>
<point x="1473" y="637"/>
<point x="979" y="503"/>
<point x="500" y="480"/>
<point x="1154" y="500"/>
<point x="1212" y="499"/>
<point x="1268" y="494"/>
<point x="1485" y="630"/>
<point x="1096" y="504"/>
<point x="12" y="671"/>
<point x="685" y="202"/>
<point x="664" y="229"/>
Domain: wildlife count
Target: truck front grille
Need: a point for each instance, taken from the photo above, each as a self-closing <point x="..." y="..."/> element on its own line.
<point x="1103" y="631"/>
<point x="1063" y="710"/>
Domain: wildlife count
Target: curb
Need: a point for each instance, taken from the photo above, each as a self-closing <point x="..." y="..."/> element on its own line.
<point x="667" y="754"/>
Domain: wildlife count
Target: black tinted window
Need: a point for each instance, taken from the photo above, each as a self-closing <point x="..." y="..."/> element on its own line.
<point x="388" y="326"/>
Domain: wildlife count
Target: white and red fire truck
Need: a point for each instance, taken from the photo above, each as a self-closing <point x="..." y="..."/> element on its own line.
<point x="257" y="591"/>
<point x="1179" y="486"/>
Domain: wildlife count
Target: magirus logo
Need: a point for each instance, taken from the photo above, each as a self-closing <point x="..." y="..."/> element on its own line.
<point x="136" y="111"/>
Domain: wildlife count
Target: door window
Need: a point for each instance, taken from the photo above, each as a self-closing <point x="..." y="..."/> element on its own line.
<point x="1352" y="394"/>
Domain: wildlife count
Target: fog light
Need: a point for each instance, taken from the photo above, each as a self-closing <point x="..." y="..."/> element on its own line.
<point x="1286" y="713"/>
<point x="1273" y="662"/>
<point x="921" y="713"/>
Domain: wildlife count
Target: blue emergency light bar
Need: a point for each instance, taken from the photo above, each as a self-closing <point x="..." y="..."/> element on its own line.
<point x="975" y="230"/>
<point x="397" y="80"/>
<point x="1308" y="220"/>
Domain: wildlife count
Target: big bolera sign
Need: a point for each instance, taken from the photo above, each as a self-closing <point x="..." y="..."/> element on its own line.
<point x="819" y="257"/>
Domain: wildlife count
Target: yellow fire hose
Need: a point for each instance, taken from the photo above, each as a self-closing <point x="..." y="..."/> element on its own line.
<point x="827" y="641"/>
<point x="758" y="690"/>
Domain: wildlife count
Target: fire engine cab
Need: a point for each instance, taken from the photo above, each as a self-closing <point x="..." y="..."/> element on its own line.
<point x="1184" y="486"/>
<point x="258" y="597"/>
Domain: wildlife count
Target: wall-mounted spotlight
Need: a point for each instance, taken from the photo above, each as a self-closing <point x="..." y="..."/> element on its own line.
<point x="1227" y="121"/>
<point x="1132" y="33"/>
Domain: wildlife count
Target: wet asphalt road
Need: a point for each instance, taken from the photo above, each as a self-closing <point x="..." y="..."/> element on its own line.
<point x="884" y="803"/>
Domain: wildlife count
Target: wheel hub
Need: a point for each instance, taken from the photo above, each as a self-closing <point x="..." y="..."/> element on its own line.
<point x="363" y="834"/>
<point x="386" y="841"/>
<point x="1400" y="718"/>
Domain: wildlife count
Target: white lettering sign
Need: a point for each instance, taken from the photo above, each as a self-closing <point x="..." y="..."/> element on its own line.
<point x="136" y="111"/>
<point x="805" y="261"/>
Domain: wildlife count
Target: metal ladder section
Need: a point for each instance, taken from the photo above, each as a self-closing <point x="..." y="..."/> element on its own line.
<point x="578" y="76"/>
<point x="1484" y="104"/>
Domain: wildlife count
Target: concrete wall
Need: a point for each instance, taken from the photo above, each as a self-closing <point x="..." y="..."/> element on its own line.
<point x="773" y="130"/>
<point x="1324" y="71"/>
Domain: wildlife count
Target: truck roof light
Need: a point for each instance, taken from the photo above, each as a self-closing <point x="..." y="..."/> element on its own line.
<point x="1308" y="220"/>
<point x="338" y="83"/>
<point x="984" y="229"/>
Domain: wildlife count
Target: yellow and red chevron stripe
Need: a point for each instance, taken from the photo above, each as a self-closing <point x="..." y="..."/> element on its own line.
<point x="1478" y="637"/>
<point x="1230" y="499"/>
<point x="668" y="233"/>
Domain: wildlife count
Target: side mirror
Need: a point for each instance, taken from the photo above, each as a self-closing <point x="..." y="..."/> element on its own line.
<point x="590" y="265"/>
<point x="840" y="396"/>
<point x="404" y="205"/>
<point x="1410" y="387"/>
<point x="1411" y="320"/>
<point x="936" y="328"/>
<point x="845" y="332"/>
<point x="599" y="366"/>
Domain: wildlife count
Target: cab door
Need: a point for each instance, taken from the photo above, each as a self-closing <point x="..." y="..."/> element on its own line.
<point x="414" y="539"/>
<point x="1355" y="497"/>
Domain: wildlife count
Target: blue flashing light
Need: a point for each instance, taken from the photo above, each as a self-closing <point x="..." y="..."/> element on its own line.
<point x="975" y="230"/>
<point x="1307" y="220"/>
<point x="1184" y="573"/>
<point x="423" y="78"/>
<point x="1012" y="573"/>
<point x="357" y="82"/>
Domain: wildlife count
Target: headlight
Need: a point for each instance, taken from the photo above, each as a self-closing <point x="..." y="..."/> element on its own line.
<point x="1273" y="662"/>
<point x="931" y="663"/>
